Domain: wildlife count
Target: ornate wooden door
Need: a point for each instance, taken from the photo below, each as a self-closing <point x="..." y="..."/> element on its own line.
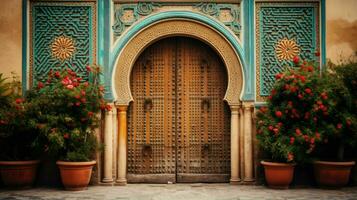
<point x="178" y="126"/>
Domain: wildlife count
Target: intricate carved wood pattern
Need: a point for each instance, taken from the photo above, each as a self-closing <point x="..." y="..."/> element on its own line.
<point x="178" y="122"/>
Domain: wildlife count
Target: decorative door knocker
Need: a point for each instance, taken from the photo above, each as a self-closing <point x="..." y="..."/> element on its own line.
<point x="146" y="150"/>
<point x="147" y="104"/>
<point x="205" y="103"/>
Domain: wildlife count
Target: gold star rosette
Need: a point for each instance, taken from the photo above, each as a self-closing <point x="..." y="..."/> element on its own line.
<point x="62" y="48"/>
<point x="286" y="49"/>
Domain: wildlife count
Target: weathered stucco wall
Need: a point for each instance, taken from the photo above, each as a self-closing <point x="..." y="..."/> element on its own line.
<point x="10" y="37"/>
<point x="341" y="29"/>
<point x="341" y="21"/>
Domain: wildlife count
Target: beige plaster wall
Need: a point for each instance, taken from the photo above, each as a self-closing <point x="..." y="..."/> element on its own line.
<point x="341" y="29"/>
<point x="10" y="36"/>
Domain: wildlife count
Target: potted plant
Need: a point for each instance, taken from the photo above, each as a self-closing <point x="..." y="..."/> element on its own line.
<point x="66" y="108"/>
<point x="18" y="155"/>
<point x="288" y="127"/>
<point x="338" y="153"/>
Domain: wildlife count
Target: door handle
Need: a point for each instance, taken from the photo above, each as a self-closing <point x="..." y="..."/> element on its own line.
<point x="206" y="147"/>
<point x="148" y="104"/>
<point x="146" y="149"/>
<point x="205" y="103"/>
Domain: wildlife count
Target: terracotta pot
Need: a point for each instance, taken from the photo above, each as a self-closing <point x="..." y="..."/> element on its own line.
<point x="75" y="175"/>
<point x="332" y="174"/>
<point x="278" y="175"/>
<point x="18" y="174"/>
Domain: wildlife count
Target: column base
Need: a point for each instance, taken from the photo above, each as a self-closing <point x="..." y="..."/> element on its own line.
<point x="236" y="181"/>
<point x="107" y="180"/>
<point x="106" y="184"/>
<point x="249" y="180"/>
<point x="121" y="182"/>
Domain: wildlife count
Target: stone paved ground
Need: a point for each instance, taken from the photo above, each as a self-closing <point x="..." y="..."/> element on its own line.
<point x="180" y="192"/>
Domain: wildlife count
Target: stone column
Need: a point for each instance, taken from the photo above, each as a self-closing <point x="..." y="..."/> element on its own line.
<point x="122" y="145"/>
<point x="234" y="145"/>
<point x="241" y="141"/>
<point x="108" y="148"/>
<point x="248" y="144"/>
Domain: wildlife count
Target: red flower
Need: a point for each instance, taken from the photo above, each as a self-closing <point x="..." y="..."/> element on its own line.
<point x="339" y="126"/>
<point x="290" y="156"/>
<point x="88" y="68"/>
<point x="296" y="60"/>
<point x="90" y="114"/>
<point x="300" y="96"/>
<point x="70" y="87"/>
<point x="324" y="95"/>
<point x="66" y="136"/>
<point x="317" y="135"/>
<point x="310" y="68"/>
<point x="286" y="86"/>
<point x="278" y="76"/>
<point x="57" y="74"/>
<point x="298" y="132"/>
<point x="308" y="91"/>
<point x="101" y="88"/>
<point x="317" y="53"/>
<point x="83" y="93"/>
<point x="278" y="113"/>
<point x="293" y="89"/>
<point x="276" y="131"/>
<point x="66" y="81"/>
<point x="263" y="109"/>
<point x="108" y="107"/>
<point x="86" y="84"/>
<point x="83" y="100"/>
<point x="292" y="140"/>
<point x="77" y="97"/>
<point x="270" y="128"/>
<point x="312" y="140"/>
<point x="303" y="79"/>
<point x="77" y="103"/>
<point x="40" y="85"/>
<point x="19" y="100"/>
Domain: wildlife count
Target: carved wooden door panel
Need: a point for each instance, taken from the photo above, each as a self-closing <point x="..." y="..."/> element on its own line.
<point x="178" y="124"/>
<point x="203" y="135"/>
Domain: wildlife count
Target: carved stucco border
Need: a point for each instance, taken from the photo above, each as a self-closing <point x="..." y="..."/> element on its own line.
<point x="177" y="27"/>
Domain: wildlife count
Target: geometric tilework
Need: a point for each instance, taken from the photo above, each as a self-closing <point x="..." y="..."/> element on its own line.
<point x="50" y="22"/>
<point x="277" y="22"/>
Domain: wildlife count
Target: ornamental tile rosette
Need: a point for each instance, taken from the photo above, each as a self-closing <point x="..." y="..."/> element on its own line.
<point x="62" y="48"/>
<point x="286" y="49"/>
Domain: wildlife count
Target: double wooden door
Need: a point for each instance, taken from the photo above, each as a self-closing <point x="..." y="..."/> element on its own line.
<point x="178" y="123"/>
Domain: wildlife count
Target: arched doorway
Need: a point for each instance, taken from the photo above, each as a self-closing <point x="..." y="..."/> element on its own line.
<point x="178" y="122"/>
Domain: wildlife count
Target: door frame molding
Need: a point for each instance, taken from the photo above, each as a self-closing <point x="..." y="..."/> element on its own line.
<point x="226" y="45"/>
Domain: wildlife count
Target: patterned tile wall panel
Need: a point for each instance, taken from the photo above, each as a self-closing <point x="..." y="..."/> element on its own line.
<point x="126" y="14"/>
<point x="63" y="34"/>
<point x="283" y="31"/>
